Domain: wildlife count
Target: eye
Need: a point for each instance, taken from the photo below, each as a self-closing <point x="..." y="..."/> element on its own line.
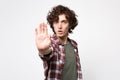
<point x="65" y="21"/>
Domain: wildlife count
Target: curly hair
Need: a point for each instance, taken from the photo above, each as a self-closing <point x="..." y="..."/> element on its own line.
<point x="53" y="16"/>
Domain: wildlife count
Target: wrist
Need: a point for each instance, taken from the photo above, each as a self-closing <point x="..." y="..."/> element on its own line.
<point x="46" y="51"/>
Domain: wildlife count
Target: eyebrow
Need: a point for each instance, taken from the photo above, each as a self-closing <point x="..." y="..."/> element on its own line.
<point x="64" y="20"/>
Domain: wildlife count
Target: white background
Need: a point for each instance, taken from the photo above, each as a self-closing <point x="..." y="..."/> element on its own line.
<point x="98" y="37"/>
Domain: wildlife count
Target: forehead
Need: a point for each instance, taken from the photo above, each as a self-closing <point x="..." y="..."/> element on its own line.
<point x="62" y="17"/>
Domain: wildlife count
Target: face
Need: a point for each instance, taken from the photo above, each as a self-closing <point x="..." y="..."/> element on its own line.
<point x="61" y="26"/>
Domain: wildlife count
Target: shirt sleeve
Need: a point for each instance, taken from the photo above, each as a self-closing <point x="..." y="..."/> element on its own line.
<point x="46" y="57"/>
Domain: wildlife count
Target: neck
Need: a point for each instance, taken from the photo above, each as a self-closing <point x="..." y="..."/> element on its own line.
<point x="64" y="40"/>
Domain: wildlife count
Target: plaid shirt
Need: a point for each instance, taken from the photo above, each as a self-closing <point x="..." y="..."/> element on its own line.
<point x="54" y="62"/>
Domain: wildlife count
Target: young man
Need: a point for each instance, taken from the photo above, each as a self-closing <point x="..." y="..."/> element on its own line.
<point x="58" y="52"/>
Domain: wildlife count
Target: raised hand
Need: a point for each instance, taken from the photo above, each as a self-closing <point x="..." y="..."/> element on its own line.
<point x="42" y="37"/>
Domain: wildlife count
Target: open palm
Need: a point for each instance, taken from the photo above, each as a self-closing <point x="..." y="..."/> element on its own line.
<point x="42" y="38"/>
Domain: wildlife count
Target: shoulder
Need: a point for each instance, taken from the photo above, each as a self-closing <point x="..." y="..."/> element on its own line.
<point x="55" y="40"/>
<point x="73" y="42"/>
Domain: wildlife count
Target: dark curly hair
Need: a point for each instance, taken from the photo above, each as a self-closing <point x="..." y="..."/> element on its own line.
<point x="58" y="10"/>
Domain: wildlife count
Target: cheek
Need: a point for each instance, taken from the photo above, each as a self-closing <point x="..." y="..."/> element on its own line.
<point x="55" y="29"/>
<point x="67" y="29"/>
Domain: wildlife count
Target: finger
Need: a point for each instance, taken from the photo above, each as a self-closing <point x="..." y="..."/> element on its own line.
<point x="37" y="30"/>
<point x="36" y="33"/>
<point x="42" y="28"/>
<point x="51" y="36"/>
<point x="45" y="29"/>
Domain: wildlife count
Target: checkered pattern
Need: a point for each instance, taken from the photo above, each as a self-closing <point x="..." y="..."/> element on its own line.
<point x="54" y="62"/>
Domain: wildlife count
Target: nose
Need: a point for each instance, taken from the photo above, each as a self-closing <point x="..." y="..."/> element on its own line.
<point x="59" y="25"/>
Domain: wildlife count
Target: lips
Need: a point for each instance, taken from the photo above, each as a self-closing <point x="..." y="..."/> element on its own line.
<point x="60" y="32"/>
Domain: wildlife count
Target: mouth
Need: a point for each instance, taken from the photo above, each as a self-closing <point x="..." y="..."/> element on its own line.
<point x="60" y="32"/>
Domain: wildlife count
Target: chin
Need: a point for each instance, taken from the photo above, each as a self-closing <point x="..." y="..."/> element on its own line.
<point x="60" y="35"/>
